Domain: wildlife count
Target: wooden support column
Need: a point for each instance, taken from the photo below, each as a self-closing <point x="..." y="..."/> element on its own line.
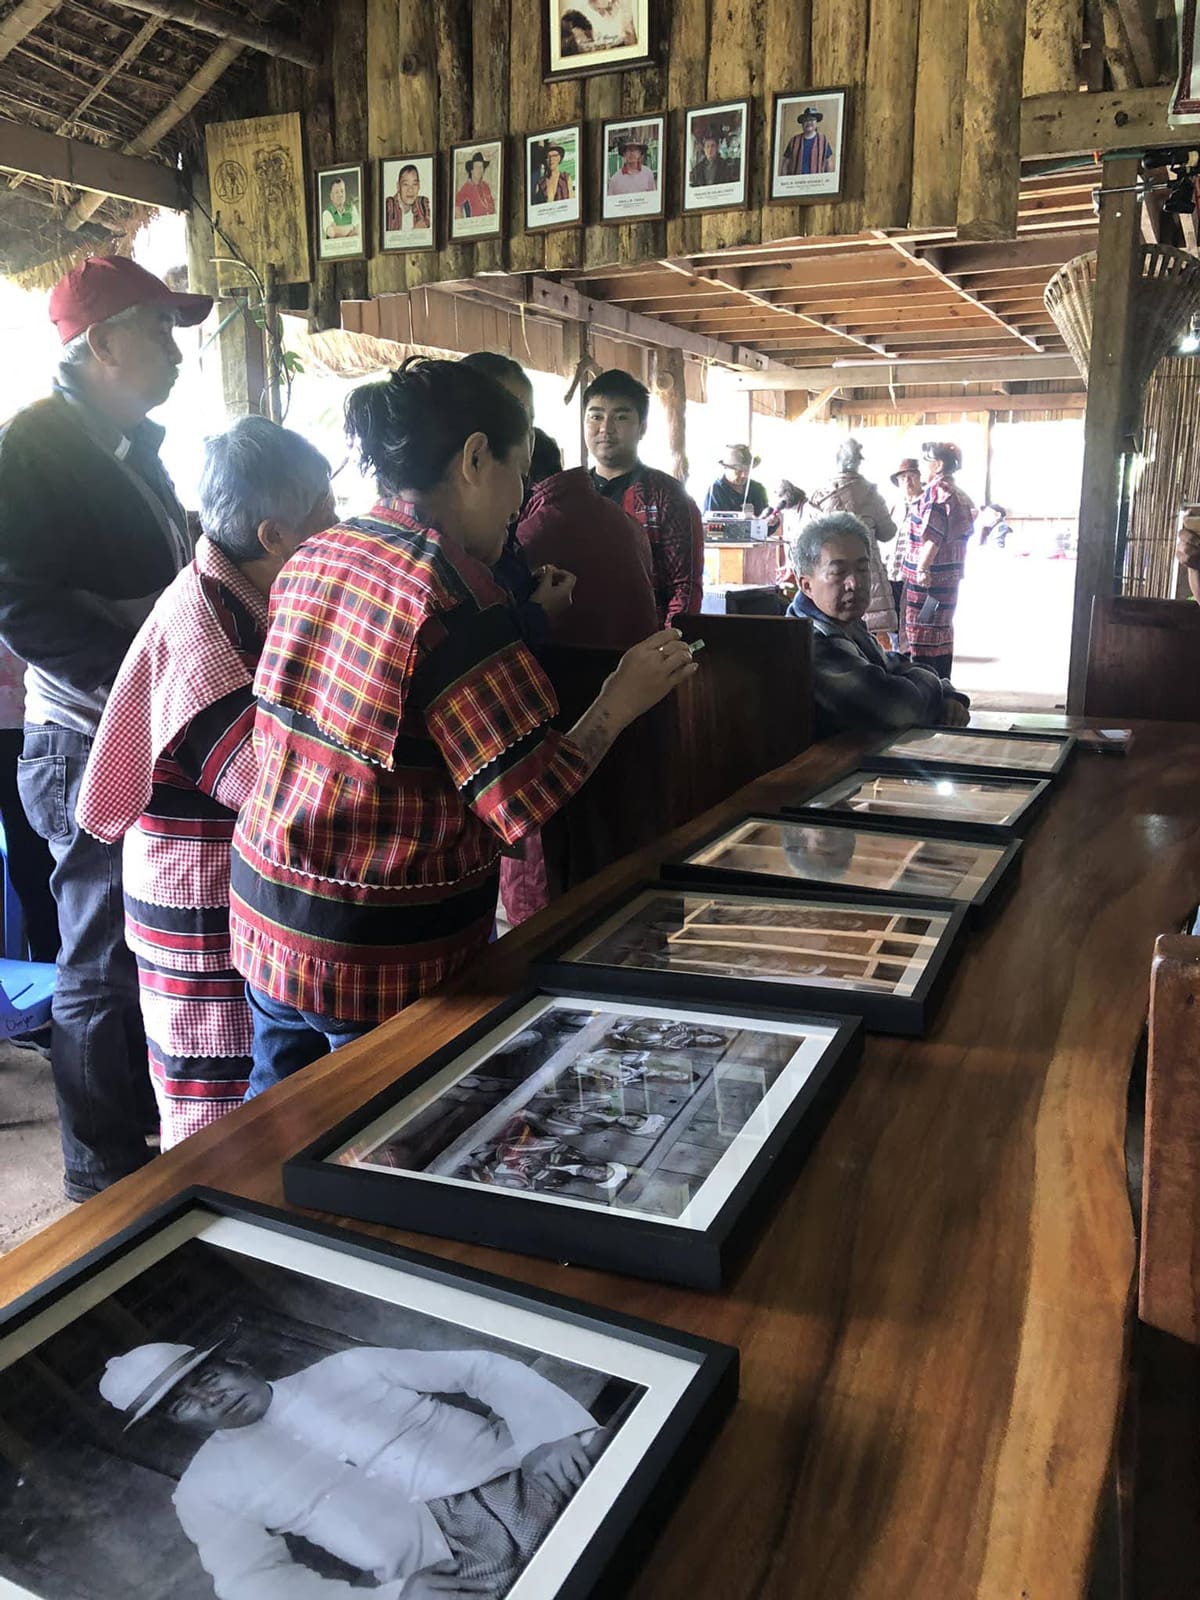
<point x="735" y="66"/>
<point x="526" y="251"/>
<point x="563" y="105"/>
<point x="417" y="93"/>
<point x="788" y="54"/>
<point x="385" y="273"/>
<point x="1111" y="409"/>
<point x="1053" y="45"/>
<point x="489" y="89"/>
<point x="839" y="55"/>
<point x="645" y="91"/>
<point x="938" y="115"/>
<point x="452" y="21"/>
<point x="350" y="137"/>
<point x="687" y="84"/>
<point x="316" y="90"/>
<point x="887" y="119"/>
<point x="602" y="246"/>
<point x="243" y="364"/>
<point x="990" y="171"/>
<point x="671" y="384"/>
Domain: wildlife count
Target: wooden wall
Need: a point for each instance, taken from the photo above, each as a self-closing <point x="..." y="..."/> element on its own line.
<point x="403" y="77"/>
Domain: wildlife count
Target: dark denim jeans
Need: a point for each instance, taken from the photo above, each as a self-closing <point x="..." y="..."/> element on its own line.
<point x="97" y="1046"/>
<point x="286" y="1039"/>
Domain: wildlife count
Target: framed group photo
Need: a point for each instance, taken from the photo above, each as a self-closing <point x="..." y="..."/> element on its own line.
<point x="227" y="1400"/>
<point x="716" y="156"/>
<point x="340" y="194"/>
<point x="601" y="1131"/>
<point x="950" y="804"/>
<point x="808" y="147"/>
<point x="582" y="37"/>
<point x="883" y="961"/>
<point x="633" y="169"/>
<point x="477" y="189"/>
<point x="407" y="203"/>
<point x="554" y="178"/>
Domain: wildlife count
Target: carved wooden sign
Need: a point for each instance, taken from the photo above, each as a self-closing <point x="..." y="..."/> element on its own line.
<point x="256" y="178"/>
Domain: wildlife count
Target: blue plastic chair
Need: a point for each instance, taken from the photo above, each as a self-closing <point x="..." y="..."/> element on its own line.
<point x="26" y="990"/>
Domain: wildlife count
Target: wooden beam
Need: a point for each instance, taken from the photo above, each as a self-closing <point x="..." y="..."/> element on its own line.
<point x="932" y="405"/>
<point x="990" y="171"/>
<point x="891" y="374"/>
<point x="1080" y="124"/>
<point x="1107" y="445"/>
<point x="223" y="25"/>
<point x="37" y="154"/>
<point x="818" y="403"/>
<point x="21" y="21"/>
<point x="931" y="266"/>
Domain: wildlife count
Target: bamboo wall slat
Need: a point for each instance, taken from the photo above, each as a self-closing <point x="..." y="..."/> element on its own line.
<point x="1169" y="479"/>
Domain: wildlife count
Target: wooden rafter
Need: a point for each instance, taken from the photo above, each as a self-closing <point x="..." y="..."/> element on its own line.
<point x="892" y="374"/>
<point x="21" y="21"/>
<point x="928" y="264"/>
<point x="237" y="30"/>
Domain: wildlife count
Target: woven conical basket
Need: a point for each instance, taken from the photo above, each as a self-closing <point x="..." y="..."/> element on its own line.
<point x="1165" y="299"/>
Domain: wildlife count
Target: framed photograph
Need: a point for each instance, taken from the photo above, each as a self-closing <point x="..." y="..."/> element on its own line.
<point x="478" y="175"/>
<point x="227" y="1400"/>
<point x="407" y="203"/>
<point x="582" y="37"/>
<point x="808" y="148"/>
<point x="341" y="201"/>
<point x="596" y="1130"/>
<point x="716" y="156"/>
<point x="1043" y="755"/>
<point x="848" y="860"/>
<point x="553" y="178"/>
<point x="633" y="177"/>
<point x="945" y="803"/>
<point x="884" y="961"/>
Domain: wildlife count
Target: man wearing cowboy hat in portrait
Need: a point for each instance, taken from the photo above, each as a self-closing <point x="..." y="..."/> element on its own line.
<point x="554" y="184"/>
<point x="475" y="197"/>
<point x="736" y="490"/>
<point x="633" y="176"/>
<point x="809" y="150"/>
<point x="360" y="1455"/>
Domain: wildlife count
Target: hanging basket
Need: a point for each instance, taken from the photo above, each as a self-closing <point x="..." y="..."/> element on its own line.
<point x="1163" y="303"/>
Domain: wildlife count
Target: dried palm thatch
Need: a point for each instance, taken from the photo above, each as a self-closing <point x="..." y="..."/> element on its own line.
<point x="1165" y="299"/>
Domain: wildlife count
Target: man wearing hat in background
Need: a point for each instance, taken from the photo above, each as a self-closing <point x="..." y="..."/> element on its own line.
<point x="364" y="1455"/>
<point x="736" y="490"/>
<point x="809" y="150"/>
<point x="91" y="532"/>
<point x="632" y="176"/>
<point x="906" y="480"/>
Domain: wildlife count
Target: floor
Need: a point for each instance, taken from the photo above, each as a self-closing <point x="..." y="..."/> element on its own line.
<point x="30" y="1161"/>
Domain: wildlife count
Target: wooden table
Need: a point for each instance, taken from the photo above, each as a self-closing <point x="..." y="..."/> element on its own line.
<point x="933" y="1323"/>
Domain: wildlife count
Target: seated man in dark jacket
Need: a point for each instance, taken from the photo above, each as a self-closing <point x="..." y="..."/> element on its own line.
<point x="859" y="686"/>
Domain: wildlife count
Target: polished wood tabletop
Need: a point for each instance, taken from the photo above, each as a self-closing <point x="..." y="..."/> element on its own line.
<point x="933" y="1320"/>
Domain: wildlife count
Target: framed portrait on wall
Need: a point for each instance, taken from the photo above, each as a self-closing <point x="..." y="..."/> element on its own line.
<point x="716" y="156"/>
<point x="233" y="1401"/>
<point x="477" y="189"/>
<point x="407" y="203"/>
<point x="629" y="1135"/>
<point x="633" y="156"/>
<point x="554" y="178"/>
<point x="581" y="37"/>
<point x="808" y="146"/>
<point x="340" y="200"/>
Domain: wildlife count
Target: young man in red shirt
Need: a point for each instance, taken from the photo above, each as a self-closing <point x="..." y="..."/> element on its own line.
<point x="616" y="409"/>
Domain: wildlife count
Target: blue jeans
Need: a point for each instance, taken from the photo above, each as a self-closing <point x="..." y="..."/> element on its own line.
<point x="97" y="1046"/>
<point x="286" y="1039"/>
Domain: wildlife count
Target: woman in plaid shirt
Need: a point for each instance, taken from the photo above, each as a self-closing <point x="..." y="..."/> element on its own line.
<point x="403" y="729"/>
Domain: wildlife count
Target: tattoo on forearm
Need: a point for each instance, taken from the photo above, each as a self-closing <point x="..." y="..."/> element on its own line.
<point x="593" y="735"/>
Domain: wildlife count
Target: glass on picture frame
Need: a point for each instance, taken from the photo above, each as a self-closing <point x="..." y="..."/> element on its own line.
<point x="602" y="1131"/>
<point x="954" y="804"/>
<point x="228" y="1400"/>
<point x="846" y="860"/>
<point x="882" y="960"/>
<point x="1042" y="754"/>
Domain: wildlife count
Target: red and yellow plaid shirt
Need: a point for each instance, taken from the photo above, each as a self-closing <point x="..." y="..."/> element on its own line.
<point x="403" y="733"/>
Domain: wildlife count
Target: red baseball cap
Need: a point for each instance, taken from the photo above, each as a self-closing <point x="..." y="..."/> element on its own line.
<point x="102" y="286"/>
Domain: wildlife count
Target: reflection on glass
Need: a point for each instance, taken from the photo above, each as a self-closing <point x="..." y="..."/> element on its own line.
<point x="922" y="744"/>
<point x="895" y="794"/>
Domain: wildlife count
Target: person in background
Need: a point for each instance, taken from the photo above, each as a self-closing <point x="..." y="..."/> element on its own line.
<point x="404" y="731"/>
<point x="1187" y="548"/>
<point x="992" y="526"/>
<point x="543" y="596"/>
<point x="174" y="761"/>
<point x="906" y="480"/>
<point x="858" y="685"/>
<point x="29" y="860"/>
<point x="735" y="490"/>
<point x="938" y="530"/>
<point x="851" y="492"/>
<point x="91" y="532"/>
<point x="616" y="411"/>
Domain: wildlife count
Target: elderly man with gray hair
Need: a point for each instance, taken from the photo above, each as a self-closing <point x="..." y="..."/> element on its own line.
<point x="173" y="761"/>
<point x="859" y="685"/>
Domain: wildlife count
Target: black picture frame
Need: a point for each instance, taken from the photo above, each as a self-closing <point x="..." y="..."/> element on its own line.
<point x="999" y="881"/>
<point x="1031" y="794"/>
<point x="623" y="1533"/>
<point x="889" y="756"/>
<point x="881" y="1013"/>
<point x="643" y="1246"/>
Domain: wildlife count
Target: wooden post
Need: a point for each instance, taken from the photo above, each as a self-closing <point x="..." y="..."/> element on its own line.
<point x="987" y="457"/>
<point x="938" y="116"/>
<point x="687" y="85"/>
<point x="1053" y="44"/>
<point x="789" y="52"/>
<point x="317" y="98"/>
<point x="990" y="171"/>
<point x="526" y="251"/>
<point x="243" y="370"/>
<point x="452" y="19"/>
<point x="417" y="93"/>
<point x="350" y="139"/>
<point x="1110" y="415"/>
<point x="385" y="273"/>
<point x="602" y="245"/>
<point x="671" y="383"/>
<point x="839" y="55"/>
<point x="646" y="91"/>
<point x="888" y="110"/>
<point x="563" y="105"/>
<point x="490" y="23"/>
<point x="735" y="64"/>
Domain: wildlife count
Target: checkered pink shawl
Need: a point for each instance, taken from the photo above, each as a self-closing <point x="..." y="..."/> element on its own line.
<point x="181" y="662"/>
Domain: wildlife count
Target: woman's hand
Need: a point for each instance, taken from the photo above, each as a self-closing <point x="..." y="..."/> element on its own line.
<point x="647" y="673"/>
<point x="554" y="590"/>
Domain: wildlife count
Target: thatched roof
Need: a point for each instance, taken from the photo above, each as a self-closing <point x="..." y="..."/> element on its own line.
<point x="104" y="73"/>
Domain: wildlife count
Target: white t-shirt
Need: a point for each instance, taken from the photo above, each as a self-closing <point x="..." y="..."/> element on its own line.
<point x="642" y="181"/>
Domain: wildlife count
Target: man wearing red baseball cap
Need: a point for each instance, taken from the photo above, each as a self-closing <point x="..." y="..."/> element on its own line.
<point x="91" y="531"/>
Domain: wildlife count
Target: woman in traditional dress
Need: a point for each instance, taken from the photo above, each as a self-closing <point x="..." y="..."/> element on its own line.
<point x="938" y="530"/>
<point x="173" y="762"/>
